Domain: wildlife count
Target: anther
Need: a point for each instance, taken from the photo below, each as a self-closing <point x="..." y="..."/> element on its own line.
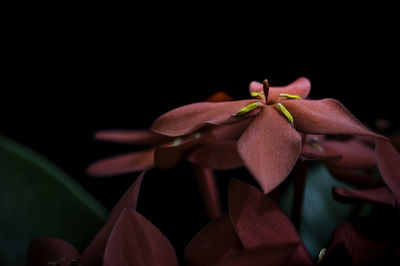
<point x="285" y="112"/>
<point x="289" y="96"/>
<point x="248" y="108"/>
<point x="256" y="95"/>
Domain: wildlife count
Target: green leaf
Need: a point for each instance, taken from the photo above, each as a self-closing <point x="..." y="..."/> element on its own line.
<point x="39" y="199"/>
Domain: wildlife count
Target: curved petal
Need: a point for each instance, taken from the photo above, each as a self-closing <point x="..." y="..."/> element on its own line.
<point x="380" y="195"/>
<point x="140" y="137"/>
<point x="47" y="250"/>
<point x="327" y="116"/>
<point x="269" y="148"/>
<point x="300" y="86"/>
<point x="389" y="166"/>
<point x="122" y="164"/>
<point x="219" y="155"/>
<point x="355" y="178"/>
<point x="232" y="131"/>
<point x="259" y="221"/>
<point x="214" y="242"/>
<point x="93" y="254"/>
<point x="169" y="156"/>
<point x="136" y="241"/>
<point x="187" y="119"/>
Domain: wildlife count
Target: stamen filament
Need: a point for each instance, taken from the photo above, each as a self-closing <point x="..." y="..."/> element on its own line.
<point x="248" y="108"/>
<point x="290" y="96"/>
<point x="257" y="95"/>
<point x="285" y="112"/>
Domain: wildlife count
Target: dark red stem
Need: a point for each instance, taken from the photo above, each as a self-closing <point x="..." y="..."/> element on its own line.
<point x="266" y="89"/>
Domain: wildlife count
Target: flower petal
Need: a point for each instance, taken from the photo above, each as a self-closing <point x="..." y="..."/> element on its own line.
<point x="327" y="116"/>
<point x="259" y="221"/>
<point x="380" y="195"/>
<point x="218" y="155"/>
<point x="136" y="241"/>
<point x="93" y="254"/>
<point x="300" y="86"/>
<point x="215" y="241"/>
<point x="187" y="119"/>
<point x="355" y="178"/>
<point x="269" y="148"/>
<point x="219" y="96"/>
<point x="170" y="155"/>
<point x="46" y="250"/>
<point x="140" y="137"/>
<point x="122" y="164"/>
<point x="232" y="131"/>
<point x="389" y="166"/>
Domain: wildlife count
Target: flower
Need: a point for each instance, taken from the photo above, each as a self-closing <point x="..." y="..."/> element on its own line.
<point x="271" y="144"/>
<point x="127" y="238"/>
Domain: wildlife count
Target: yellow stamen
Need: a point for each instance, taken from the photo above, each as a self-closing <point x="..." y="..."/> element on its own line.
<point x="290" y="96"/>
<point x="256" y="95"/>
<point x="285" y="112"/>
<point x="321" y="255"/>
<point x="177" y="141"/>
<point x="317" y="147"/>
<point x="248" y="108"/>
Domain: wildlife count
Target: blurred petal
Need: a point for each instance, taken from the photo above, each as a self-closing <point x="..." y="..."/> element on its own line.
<point x="389" y="166"/>
<point x="218" y="155"/>
<point x="169" y="156"/>
<point x="187" y="119"/>
<point x="265" y="255"/>
<point x="219" y="97"/>
<point x="122" y="164"/>
<point x="232" y="131"/>
<point x="258" y="220"/>
<point x="208" y="190"/>
<point x="93" y="254"/>
<point x="380" y="195"/>
<point x="140" y="137"/>
<point x="136" y="241"/>
<point x="354" y="178"/>
<point x="326" y="116"/>
<point x="269" y="148"/>
<point x="46" y="250"/>
<point x="215" y="241"/>
<point x="310" y="153"/>
<point x="300" y="86"/>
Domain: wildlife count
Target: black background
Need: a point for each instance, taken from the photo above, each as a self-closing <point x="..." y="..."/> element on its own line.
<point x="65" y="78"/>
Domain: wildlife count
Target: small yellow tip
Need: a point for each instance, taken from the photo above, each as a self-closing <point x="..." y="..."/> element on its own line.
<point x="248" y="108"/>
<point x="289" y="96"/>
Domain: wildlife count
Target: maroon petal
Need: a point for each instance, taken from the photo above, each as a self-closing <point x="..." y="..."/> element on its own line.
<point x="310" y="153"/>
<point x="300" y="86"/>
<point x="232" y="131"/>
<point x="217" y="155"/>
<point x="269" y="148"/>
<point x="259" y="221"/>
<point x="47" y="250"/>
<point x="389" y="166"/>
<point x="265" y="255"/>
<point x="208" y="190"/>
<point x="355" y="178"/>
<point x="136" y="241"/>
<point x="326" y="116"/>
<point x="219" y="97"/>
<point x="94" y="252"/>
<point x="189" y="118"/>
<point x="140" y="137"/>
<point x="122" y="164"/>
<point x="381" y="195"/>
<point x="214" y="242"/>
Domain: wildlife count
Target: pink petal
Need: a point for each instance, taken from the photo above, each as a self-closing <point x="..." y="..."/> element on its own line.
<point x="389" y="166"/>
<point x="214" y="242"/>
<point x="140" y="137"/>
<point x="232" y="131"/>
<point x="259" y="221"/>
<point x="46" y="250"/>
<point x="189" y="118"/>
<point x="136" y="241"/>
<point x="300" y="86"/>
<point x="122" y="164"/>
<point x="169" y="156"/>
<point x="208" y="190"/>
<point x="380" y="195"/>
<point x="355" y="178"/>
<point x="94" y="252"/>
<point x="326" y="116"/>
<point x="217" y="155"/>
<point x="269" y="148"/>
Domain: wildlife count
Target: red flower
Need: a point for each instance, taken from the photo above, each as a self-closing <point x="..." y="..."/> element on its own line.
<point x="127" y="238"/>
<point x="271" y="144"/>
